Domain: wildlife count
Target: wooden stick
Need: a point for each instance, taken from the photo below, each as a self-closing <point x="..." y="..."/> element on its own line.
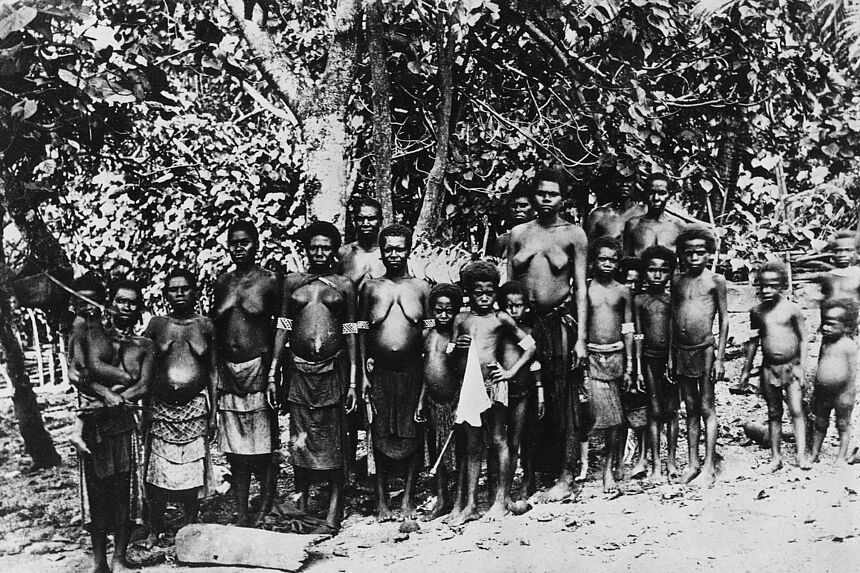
<point x="441" y="454"/>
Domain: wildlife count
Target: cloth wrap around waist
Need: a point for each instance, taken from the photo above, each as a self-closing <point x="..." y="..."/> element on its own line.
<point x="395" y="389"/>
<point x="318" y="432"/>
<point x="177" y="453"/>
<point x="690" y="360"/>
<point x="782" y="375"/>
<point x="246" y="424"/>
<point x="441" y="418"/>
<point x="605" y="370"/>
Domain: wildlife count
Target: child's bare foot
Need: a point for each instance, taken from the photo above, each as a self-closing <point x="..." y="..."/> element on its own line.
<point x="562" y="489"/>
<point x="468" y="514"/>
<point x="100" y="568"/>
<point x="774" y="466"/>
<point x="688" y="475"/>
<point x="455" y="511"/>
<point x="639" y="470"/>
<point x="119" y="565"/>
<point x="383" y="513"/>
<point x="439" y="509"/>
<point x="655" y="475"/>
<point x="495" y="513"/>
<point x="618" y="474"/>
<point x="672" y="471"/>
<point x="804" y="463"/>
<point x="816" y="459"/>
<point x="706" y="477"/>
<point x="609" y="484"/>
<point x="407" y="511"/>
<point x="840" y="462"/>
<point x="79" y="445"/>
<point x="582" y="475"/>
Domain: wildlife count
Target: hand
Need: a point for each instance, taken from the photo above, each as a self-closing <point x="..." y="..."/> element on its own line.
<point x="369" y="364"/>
<point x="640" y="383"/>
<point x="351" y="400"/>
<point x="580" y="354"/>
<point x="719" y="370"/>
<point x="212" y="428"/>
<point x="628" y="381"/>
<point x="366" y="389"/>
<point x="272" y="395"/>
<point x="420" y="415"/>
<point x="499" y="374"/>
<point x="463" y="341"/>
<point x="112" y="399"/>
<point x="541" y="406"/>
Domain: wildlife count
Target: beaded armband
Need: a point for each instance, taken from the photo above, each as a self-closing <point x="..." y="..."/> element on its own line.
<point x="285" y="324"/>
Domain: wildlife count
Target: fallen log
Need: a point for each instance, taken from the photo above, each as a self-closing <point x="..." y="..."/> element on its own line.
<point x="211" y="544"/>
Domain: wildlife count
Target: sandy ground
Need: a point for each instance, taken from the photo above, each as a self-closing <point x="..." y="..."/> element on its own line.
<point x="789" y="521"/>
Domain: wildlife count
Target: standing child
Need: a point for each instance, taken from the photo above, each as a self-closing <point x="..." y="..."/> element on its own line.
<point x="834" y="379"/>
<point x="525" y="391"/>
<point x="778" y="325"/>
<point x="698" y="295"/>
<point x="439" y="393"/>
<point x="610" y="348"/>
<point x="482" y="331"/>
<point x="843" y="281"/>
<point x="653" y="310"/>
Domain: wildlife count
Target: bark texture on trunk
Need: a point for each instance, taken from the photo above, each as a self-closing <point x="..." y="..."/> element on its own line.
<point x="431" y="206"/>
<point x="381" y="109"/>
<point x="728" y="164"/>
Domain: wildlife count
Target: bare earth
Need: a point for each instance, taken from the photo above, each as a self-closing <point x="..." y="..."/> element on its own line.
<point x="790" y="521"/>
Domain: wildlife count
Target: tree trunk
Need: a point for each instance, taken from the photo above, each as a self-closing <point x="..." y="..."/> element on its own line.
<point x="321" y="110"/>
<point x="431" y="206"/>
<point x="37" y="441"/>
<point x="728" y="164"/>
<point x="381" y="110"/>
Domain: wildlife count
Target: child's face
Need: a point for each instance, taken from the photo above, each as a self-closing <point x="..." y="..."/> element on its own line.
<point x="844" y="252"/>
<point x="515" y="305"/>
<point x="631" y="281"/>
<point x="482" y="296"/>
<point x="83" y="308"/>
<point x="656" y="273"/>
<point x="605" y="262"/>
<point x="695" y="254"/>
<point x="443" y="311"/>
<point x="833" y="323"/>
<point x="770" y="286"/>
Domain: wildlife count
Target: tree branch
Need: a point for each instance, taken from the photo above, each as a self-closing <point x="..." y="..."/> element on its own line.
<point x="381" y="109"/>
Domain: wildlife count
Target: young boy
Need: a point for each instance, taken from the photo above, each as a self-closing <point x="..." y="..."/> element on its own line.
<point x="653" y="322"/>
<point x="610" y="348"/>
<point x="481" y="331"/>
<point x="698" y="295"/>
<point x="834" y="379"/>
<point x="844" y="280"/>
<point x="630" y="273"/>
<point x="778" y="326"/>
<point x="522" y="390"/>
<point x="439" y="392"/>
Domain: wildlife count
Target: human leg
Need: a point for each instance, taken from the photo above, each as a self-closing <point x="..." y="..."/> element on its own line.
<point x="655" y="415"/>
<point x="773" y="397"/>
<point x="266" y="472"/>
<point x="240" y="468"/>
<point x="690" y="393"/>
<point x="516" y="421"/>
<point x="461" y="477"/>
<point x="641" y="465"/>
<point x="407" y="507"/>
<point x="383" y="512"/>
<point x="157" y="502"/>
<point x="122" y="522"/>
<point x="821" y="407"/>
<point x="497" y="421"/>
<point x="709" y="416"/>
<point x="844" y="408"/>
<point x="335" y="504"/>
<point x="527" y="448"/>
<point x="794" y="397"/>
<point x="99" y="497"/>
<point x="474" y="447"/>
<point x="612" y="446"/>
<point x="302" y="484"/>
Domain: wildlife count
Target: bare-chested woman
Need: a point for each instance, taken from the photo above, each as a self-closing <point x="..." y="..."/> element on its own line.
<point x="318" y="318"/>
<point x="394" y="308"/>
<point x="656" y="227"/>
<point x="520" y="211"/>
<point x="246" y="301"/>
<point x="548" y="256"/>
<point x="360" y="259"/>
<point x="182" y="402"/>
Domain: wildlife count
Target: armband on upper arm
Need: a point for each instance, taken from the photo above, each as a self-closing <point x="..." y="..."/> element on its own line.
<point x="362" y="325"/>
<point x="527" y="343"/>
<point x="450" y="348"/>
<point x="638" y="337"/>
<point x="285" y="323"/>
<point x="429" y="323"/>
<point x="350" y="328"/>
<point x="535" y="367"/>
<point x="628" y="328"/>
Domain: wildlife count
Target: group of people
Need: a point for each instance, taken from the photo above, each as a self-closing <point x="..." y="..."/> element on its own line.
<point x="579" y="339"/>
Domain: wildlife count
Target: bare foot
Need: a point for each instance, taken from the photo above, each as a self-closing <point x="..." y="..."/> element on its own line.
<point x="840" y="462"/>
<point x="455" y="511"/>
<point x="407" y="511"/>
<point x="495" y="513"/>
<point x="562" y="489"/>
<point x="79" y="445"/>
<point x="383" y="513"/>
<point x="804" y="463"/>
<point x="639" y="470"/>
<point x="687" y="476"/>
<point x="774" y="466"/>
<point x="100" y="568"/>
<point x="672" y="471"/>
<point x="618" y="474"/>
<point x="245" y="522"/>
<point x="468" y="514"/>
<point x="439" y="509"/>
<point x="705" y="478"/>
<point x="609" y="484"/>
<point x="119" y="565"/>
<point x="655" y="475"/>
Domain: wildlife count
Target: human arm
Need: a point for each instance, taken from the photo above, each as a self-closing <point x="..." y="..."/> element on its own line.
<point x="363" y="318"/>
<point x="214" y="378"/>
<point x="147" y="370"/>
<point x="628" y="329"/>
<point x="102" y="375"/>
<point x="627" y="237"/>
<point x="541" y="403"/>
<point x="420" y="415"/>
<point x="639" y="344"/>
<point x="751" y="347"/>
<point x="803" y="336"/>
<point x="722" y="309"/>
<point x="525" y="342"/>
<point x="351" y="345"/>
<point x="581" y="294"/>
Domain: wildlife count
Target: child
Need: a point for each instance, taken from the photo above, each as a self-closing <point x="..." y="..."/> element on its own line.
<point x="521" y="389"/>
<point x="653" y="323"/>
<point x="778" y="325"/>
<point x="698" y="295"/>
<point x="630" y="273"/>
<point x="482" y="331"/>
<point x="844" y="280"/>
<point x="610" y="348"/>
<point x="439" y="392"/>
<point x="834" y="379"/>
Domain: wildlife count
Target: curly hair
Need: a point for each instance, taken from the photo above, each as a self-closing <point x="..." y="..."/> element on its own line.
<point x="659" y="252"/>
<point x="91" y="282"/>
<point x="479" y="271"/>
<point x="511" y="287"/>
<point x="603" y="243"/>
<point x="846" y="304"/>
<point x="244" y="225"/>
<point x="395" y="230"/>
<point x="629" y="264"/>
<point x="366" y="202"/>
<point x="695" y="232"/>
<point x="321" y="229"/>
<point x="127" y="285"/>
<point x="449" y="290"/>
<point x="777" y="267"/>
<point x="550" y="175"/>
<point x="181" y="272"/>
<point x="657" y="177"/>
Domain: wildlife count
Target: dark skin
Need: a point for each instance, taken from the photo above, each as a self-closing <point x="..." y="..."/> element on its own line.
<point x="119" y="372"/>
<point x="833" y="284"/>
<point x="77" y="357"/>
<point x="656" y="226"/>
<point x="440" y="383"/>
<point x="318" y="312"/>
<point x="632" y="282"/>
<point x="487" y="330"/>
<point x="521" y="211"/>
<point x="609" y="219"/>
<point x="245" y="301"/>
<point x="518" y="408"/>
<point x="395" y="306"/>
<point x="610" y="304"/>
<point x="360" y="259"/>
<point x="782" y="337"/>
<point x="835" y="381"/>
<point x="698" y="296"/>
<point x="186" y="365"/>
<point x="548" y="257"/>
<point x="652" y="311"/>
